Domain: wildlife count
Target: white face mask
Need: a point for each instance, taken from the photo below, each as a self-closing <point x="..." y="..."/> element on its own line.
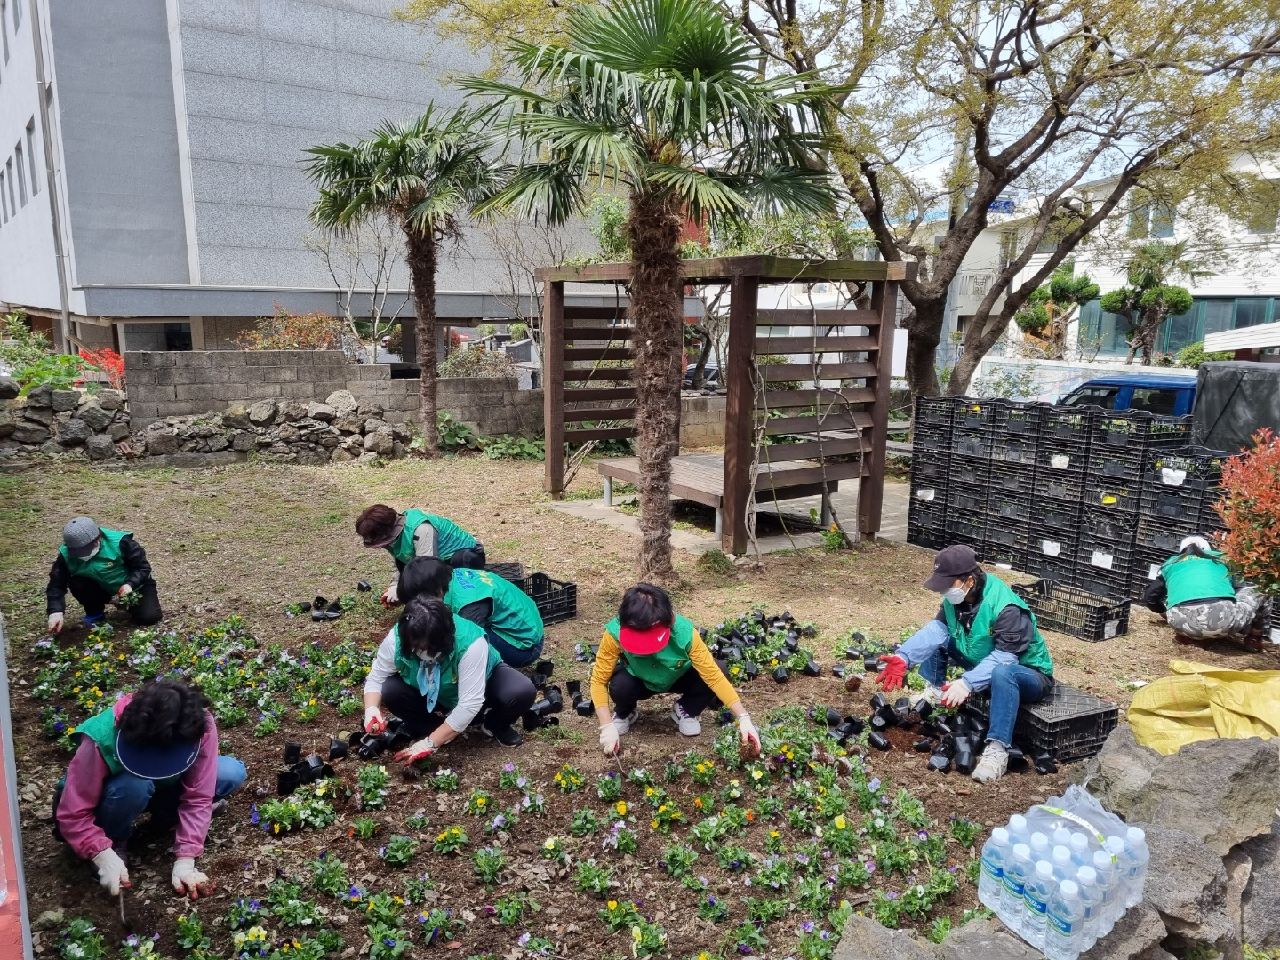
<point x="955" y="595"/>
<point x="94" y="552"/>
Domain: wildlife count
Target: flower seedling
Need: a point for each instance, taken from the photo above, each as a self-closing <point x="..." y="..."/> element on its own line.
<point x="619" y="915"/>
<point x="444" y="779"/>
<point x="399" y="850"/>
<point x="508" y="776"/>
<point x="511" y="908"/>
<point x="593" y="878"/>
<point x="329" y="875"/>
<point x="678" y="859"/>
<point x="584" y="822"/>
<point x="553" y="850"/>
<point x="364" y="828"/>
<point x="372" y="782"/>
<point x="451" y="840"/>
<point x="609" y="787"/>
<point x="569" y="780"/>
<point x="489" y="863"/>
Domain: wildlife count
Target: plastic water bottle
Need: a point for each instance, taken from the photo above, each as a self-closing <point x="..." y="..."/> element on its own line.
<point x="1115" y="847"/>
<point x="1061" y="837"/>
<point x="1136" y="857"/>
<point x="1063" y="868"/>
<point x="1039" y="888"/>
<point x="1091" y="903"/>
<point x="1039" y="844"/>
<point x="991" y="879"/>
<point x="1062" y="929"/>
<point x="1019" y="832"/>
<point x="1080" y="854"/>
<point x="1016" y="871"/>
<point x="1104" y="869"/>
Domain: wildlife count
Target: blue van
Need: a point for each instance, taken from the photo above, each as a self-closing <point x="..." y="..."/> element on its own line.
<point x="1169" y="396"/>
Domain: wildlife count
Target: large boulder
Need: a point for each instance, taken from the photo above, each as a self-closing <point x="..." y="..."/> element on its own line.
<point x="322" y="411"/>
<point x="236" y="417"/>
<point x="97" y="418"/>
<point x="374" y="424"/>
<point x="864" y="938"/>
<point x="1139" y="930"/>
<point x="381" y="442"/>
<point x="9" y="388"/>
<point x="100" y="447"/>
<point x="119" y="430"/>
<point x="342" y="402"/>
<point x="64" y="400"/>
<point x="988" y="939"/>
<point x="349" y="424"/>
<point x="1261" y="905"/>
<point x="242" y="441"/>
<point x="263" y="413"/>
<point x="29" y="433"/>
<point x="1187" y="884"/>
<point x="74" y="432"/>
<point x="1222" y="792"/>
<point x="6" y="422"/>
<point x="41" y="415"/>
<point x="41" y="396"/>
<point x="341" y="455"/>
<point x="162" y="442"/>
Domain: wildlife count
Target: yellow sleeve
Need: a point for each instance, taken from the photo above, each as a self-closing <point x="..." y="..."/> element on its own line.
<point x="710" y="672"/>
<point x="602" y="671"/>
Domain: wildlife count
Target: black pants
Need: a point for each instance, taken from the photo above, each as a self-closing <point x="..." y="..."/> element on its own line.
<point x="94" y="597"/>
<point x="507" y="695"/>
<point x="468" y="558"/>
<point x="626" y="690"/>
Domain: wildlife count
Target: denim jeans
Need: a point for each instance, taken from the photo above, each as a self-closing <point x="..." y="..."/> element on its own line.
<point x="513" y="656"/>
<point x="1012" y="684"/>
<point x="125" y="797"/>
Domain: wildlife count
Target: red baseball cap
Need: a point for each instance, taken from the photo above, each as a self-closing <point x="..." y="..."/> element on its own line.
<point x="644" y="642"/>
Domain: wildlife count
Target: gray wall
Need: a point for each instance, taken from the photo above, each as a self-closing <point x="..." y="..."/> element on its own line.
<point x="119" y="141"/>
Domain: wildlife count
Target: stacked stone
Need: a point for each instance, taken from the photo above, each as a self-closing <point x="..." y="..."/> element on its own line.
<point x="57" y="422"/>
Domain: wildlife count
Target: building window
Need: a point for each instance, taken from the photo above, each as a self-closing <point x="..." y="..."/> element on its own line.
<point x="1251" y="311"/>
<point x="1150" y="220"/>
<point x="1008" y="248"/>
<point x="22" y="174"/>
<point x="4" y="200"/>
<point x="1265" y="210"/>
<point x="8" y="171"/>
<point x="31" y="156"/>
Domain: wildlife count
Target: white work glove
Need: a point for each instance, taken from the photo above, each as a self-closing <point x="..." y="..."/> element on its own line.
<point x="112" y="873"/>
<point x="418" y="750"/>
<point x="124" y="590"/>
<point x="390" y="597"/>
<point x="609" y="739"/>
<point x="189" y="881"/>
<point x="956" y="692"/>
<point x="374" y="722"/>
<point x="748" y="736"/>
<point x="55" y="622"/>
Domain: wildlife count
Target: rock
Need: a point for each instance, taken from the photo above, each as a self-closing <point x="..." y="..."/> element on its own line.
<point x="292" y="412"/>
<point x="219" y="441"/>
<point x="322" y="411"/>
<point x="1156" y="953"/>
<point x="242" y="441"/>
<point x="41" y="396"/>
<point x="52" y="448"/>
<point x="41" y="415"/>
<point x="864" y="939"/>
<point x="1136" y="932"/>
<point x="65" y="400"/>
<point x="100" y="447"/>
<point x="118" y="431"/>
<point x="341" y="455"/>
<point x="263" y="413"/>
<point x="30" y="433"/>
<point x="328" y="441"/>
<point x="74" y="432"/>
<point x="110" y="399"/>
<point x="342" y="402"/>
<point x="6" y="422"/>
<point x="1260" y="910"/>
<point x="161" y="442"/>
<point x="989" y="939"/>
<point x="370" y="460"/>
<point x="313" y="458"/>
<point x="288" y="433"/>
<point x="349" y="424"/>
<point x="374" y="424"/>
<point x="1187" y="883"/>
<point x="380" y="442"/>
<point x="236" y="416"/>
<point x="1220" y="791"/>
<point x="1239" y="869"/>
<point x="97" y="418"/>
<point x="9" y="388"/>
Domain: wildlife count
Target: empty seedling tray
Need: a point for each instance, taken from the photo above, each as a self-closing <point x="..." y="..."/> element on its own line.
<point x="557" y="600"/>
<point x="1069" y="723"/>
<point x="512" y="570"/>
<point x="1075" y="612"/>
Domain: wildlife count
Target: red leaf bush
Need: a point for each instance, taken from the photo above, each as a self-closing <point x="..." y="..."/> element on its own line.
<point x="1250" y="509"/>
<point x="109" y="362"/>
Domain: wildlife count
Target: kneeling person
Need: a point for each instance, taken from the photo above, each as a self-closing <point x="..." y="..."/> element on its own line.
<point x="507" y="614"/>
<point x="99" y="565"/>
<point x="1195" y="592"/>
<point x="155" y="750"/>
<point x="437" y="672"/>
<point x="416" y="533"/>
<point x="647" y="650"/>
<point x="986" y="628"/>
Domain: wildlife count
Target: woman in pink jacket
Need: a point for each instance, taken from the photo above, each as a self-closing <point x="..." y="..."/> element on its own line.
<point x="155" y="750"/>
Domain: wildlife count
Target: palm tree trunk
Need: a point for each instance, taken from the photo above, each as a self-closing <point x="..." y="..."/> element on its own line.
<point x="653" y="229"/>
<point x="420" y="254"/>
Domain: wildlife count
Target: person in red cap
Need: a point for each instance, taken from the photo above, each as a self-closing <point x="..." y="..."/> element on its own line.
<point x="647" y="650"/>
<point x="986" y="628"/>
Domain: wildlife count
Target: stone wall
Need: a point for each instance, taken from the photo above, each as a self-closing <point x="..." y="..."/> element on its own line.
<point x="55" y="422"/>
<point x="702" y="421"/>
<point x="181" y="383"/>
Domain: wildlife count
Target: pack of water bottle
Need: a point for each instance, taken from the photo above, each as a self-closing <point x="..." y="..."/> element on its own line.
<point x="1063" y="873"/>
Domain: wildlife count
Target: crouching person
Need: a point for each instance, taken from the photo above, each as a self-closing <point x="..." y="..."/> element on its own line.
<point x="647" y="650"/>
<point x="155" y="750"/>
<point x="416" y="533"/>
<point x="99" y="565"/>
<point x="438" y="674"/>
<point x="1196" y="594"/>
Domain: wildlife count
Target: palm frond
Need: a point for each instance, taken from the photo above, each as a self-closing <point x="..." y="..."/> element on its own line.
<point x="538" y="191"/>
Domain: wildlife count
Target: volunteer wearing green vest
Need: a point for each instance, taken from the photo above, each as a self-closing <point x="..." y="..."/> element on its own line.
<point x="1195" y="592"/>
<point x="647" y="650"/>
<point x="438" y="673"/>
<point x="986" y="628"/>
<point x="416" y="533"/>
<point x="99" y="565"/>
<point x="507" y="614"/>
<point x="155" y="750"/>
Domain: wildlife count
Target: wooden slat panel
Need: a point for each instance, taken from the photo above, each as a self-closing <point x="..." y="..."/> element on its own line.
<point x="820" y="318"/>
<point x="600" y="375"/>
<point x="837" y="419"/>
<point x="739" y="444"/>
<point x="816" y="345"/>
<point x="599" y="433"/>
<point x="598" y="353"/>
<point x="775" y="372"/>
<point x="599" y="333"/>
<point x="595" y="313"/>
<point x="815" y="474"/>
<point x="884" y="300"/>
<point x="600" y="393"/>
<point x="781" y="399"/>
<point x="553" y="387"/>
<point x="600" y="413"/>
<point x="813" y="449"/>
<point x="774" y="269"/>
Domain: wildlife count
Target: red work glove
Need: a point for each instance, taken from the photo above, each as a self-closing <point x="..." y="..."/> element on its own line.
<point x="419" y="750"/>
<point x="894" y="672"/>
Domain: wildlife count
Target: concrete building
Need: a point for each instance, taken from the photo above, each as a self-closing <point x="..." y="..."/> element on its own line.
<point x="154" y="194"/>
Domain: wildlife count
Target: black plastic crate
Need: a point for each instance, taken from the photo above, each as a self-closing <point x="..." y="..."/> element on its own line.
<point x="930" y="438"/>
<point x="511" y="570"/>
<point x="935" y="411"/>
<point x="1275" y="620"/>
<point x="1191" y="471"/>
<point x="1014" y="449"/>
<point x="967" y="499"/>
<point x="1068" y="723"/>
<point x="1138" y="430"/>
<point x="1058" y="569"/>
<point x="974" y="445"/>
<point x="1020" y="419"/>
<point x="1175" y="505"/>
<point x="933" y="470"/>
<point x="1011" y="504"/>
<point x="1075" y="612"/>
<point x="557" y="600"/>
<point x="1146" y="567"/>
<point x="1064" y="487"/>
<point x="927" y="510"/>
<point x="1060" y="458"/>
<point x="1069" y="423"/>
<point x="1170" y="433"/>
<point x="1109" y="495"/>
<point x="967" y="528"/>
<point x="1006" y="545"/>
<point x="1051" y="553"/>
<point x="1119" y="466"/>
<point x="971" y="471"/>
<point x="1161" y="535"/>
<point x="976" y="416"/>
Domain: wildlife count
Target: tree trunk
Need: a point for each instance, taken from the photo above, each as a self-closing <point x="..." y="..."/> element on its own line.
<point x="653" y="230"/>
<point x="704" y="354"/>
<point x="923" y="335"/>
<point x="420" y="254"/>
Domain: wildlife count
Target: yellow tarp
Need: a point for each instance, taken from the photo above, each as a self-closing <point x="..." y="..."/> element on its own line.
<point x="1200" y="702"/>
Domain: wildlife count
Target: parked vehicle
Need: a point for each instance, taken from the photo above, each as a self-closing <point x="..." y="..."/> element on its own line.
<point x="1166" y="395"/>
<point x="711" y="377"/>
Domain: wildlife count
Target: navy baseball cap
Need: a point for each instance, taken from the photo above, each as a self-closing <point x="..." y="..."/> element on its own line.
<point x="156" y="763"/>
<point x="950" y="565"/>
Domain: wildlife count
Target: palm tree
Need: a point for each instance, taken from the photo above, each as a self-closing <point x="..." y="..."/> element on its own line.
<point x="665" y="99"/>
<point x="424" y="175"/>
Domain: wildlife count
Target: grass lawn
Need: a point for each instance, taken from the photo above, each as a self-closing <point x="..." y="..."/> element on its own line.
<point x="247" y="541"/>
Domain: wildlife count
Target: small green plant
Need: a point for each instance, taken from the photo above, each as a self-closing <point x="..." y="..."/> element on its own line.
<point x="444" y="780"/>
<point x="306" y="807"/>
<point x="594" y="878"/>
<point x="569" y="779"/>
<point x="584" y="822"/>
<point x="619" y="914"/>
<point x="329" y="875"/>
<point x="647" y="938"/>
<point x="511" y="908"/>
<point x="438" y="925"/>
<point x="488" y="863"/>
<point x="451" y="840"/>
<point x="479" y="803"/>
<point x="716" y="562"/>
<point x="399" y="850"/>
<point x="387" y="942"/>
<point x="363" y="828"/>
<point x="711" y="908"/>
<point x="553" y="850"/>
<point x="509" y="777"/>
<point x="417" y="820"/>
<point x="511" y="447"/>
<point x="189" y="932"/>
<point x="81" y="941"/>
<point x="609" y="787"/>
<point x="372" y="782"/>
<point x="455" y="435"/>
<point x="678" y="859"/>
<point x="965" y="832"/>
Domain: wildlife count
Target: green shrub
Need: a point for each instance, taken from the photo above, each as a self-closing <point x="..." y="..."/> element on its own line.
<point x="1194" y="354"/>
<point x="478" y="363"/>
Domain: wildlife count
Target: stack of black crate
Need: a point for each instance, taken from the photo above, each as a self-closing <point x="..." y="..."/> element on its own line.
<point x="1062" y="458"/>
<point x="973" y="433"/>
<point x="1179" y="489"/>
<point x="930" y="467"/>
<point x="1012" y="497"/>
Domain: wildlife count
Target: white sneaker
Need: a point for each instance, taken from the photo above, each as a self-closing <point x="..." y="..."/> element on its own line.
<point x="930" y="694"/>
<point x="993" y="762"/>
<point x="623" y="724"/>
<point x="689" y="726"/>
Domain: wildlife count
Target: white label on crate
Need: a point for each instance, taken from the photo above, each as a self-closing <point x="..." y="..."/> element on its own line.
<point x="1275" y="634"/>
<point x="1172" y="477"/>
<point x="1051" y="548"/>
<point x="926" y="495"/>
<point x="1153" y="571"/>
<point x="1060" y="461"/>
<point x="1103" y="560"/>
<point x="1111" y="629"/>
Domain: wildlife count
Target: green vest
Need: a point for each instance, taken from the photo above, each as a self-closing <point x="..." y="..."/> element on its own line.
<point x="465" y="633"/>
<point x="659" y="671"/>
<point x="515" y="616"/>
<point x="450" y="538"/>
<point x="976" y="643"/>
<point x="1188" y="577"/>
<point x="106" y="566"/>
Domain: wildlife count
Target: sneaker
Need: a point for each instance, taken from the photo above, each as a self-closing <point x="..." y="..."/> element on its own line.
<point x="623" y="724"/>
<point x="219" y="807"/>
<point x="508" y="736"/>
<point x="993" y="763"/>
<point x="689" y="726"/>
<point x="930" y="694"/>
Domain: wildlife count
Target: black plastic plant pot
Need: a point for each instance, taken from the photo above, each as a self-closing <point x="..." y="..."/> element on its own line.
<point x="923" y="745"/>
<point x="584" y="707"/>
<point x="964" y="759"/>
<point x="853" y="653"/>
<point x="939" y="763"/>
<point x="1017" y="760"/>
<point x="811" y="669"/>
<point x="961" y="723"/>
<point x="946" y="745"/>
<point x="751" y="670"/>
<point x="545" y="667"/>
<point x="555" y="698"/>
<point x="1045" y="764"/>
<point x="539" y="681"/>
<point x="872" y="665"/>
<point x="889" y="715"/>
<point x="792" y="643"/>
<point x="780" y="674"/>
<point x="834" y="717"/>
<point x="924" y="709"/>
<point x="292" y="752"/>
<point x="315" y="767"/>
<point x="879" y="741"/>
<point x="837" y="670"/>
<point x="724" y="718"/>
<point x="286" y="782"/>
<point x="878" y="722"/>
<point x="363" y="586"/>
<point x="573" y="688"/>
<point x="337" y="749"/>
<point x="878" y="701"/>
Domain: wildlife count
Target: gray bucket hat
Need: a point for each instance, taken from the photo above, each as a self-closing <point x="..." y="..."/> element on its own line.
<point x="80" y="535"/>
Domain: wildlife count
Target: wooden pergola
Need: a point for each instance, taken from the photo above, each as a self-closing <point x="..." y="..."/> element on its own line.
<point x="782" y="439"/>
